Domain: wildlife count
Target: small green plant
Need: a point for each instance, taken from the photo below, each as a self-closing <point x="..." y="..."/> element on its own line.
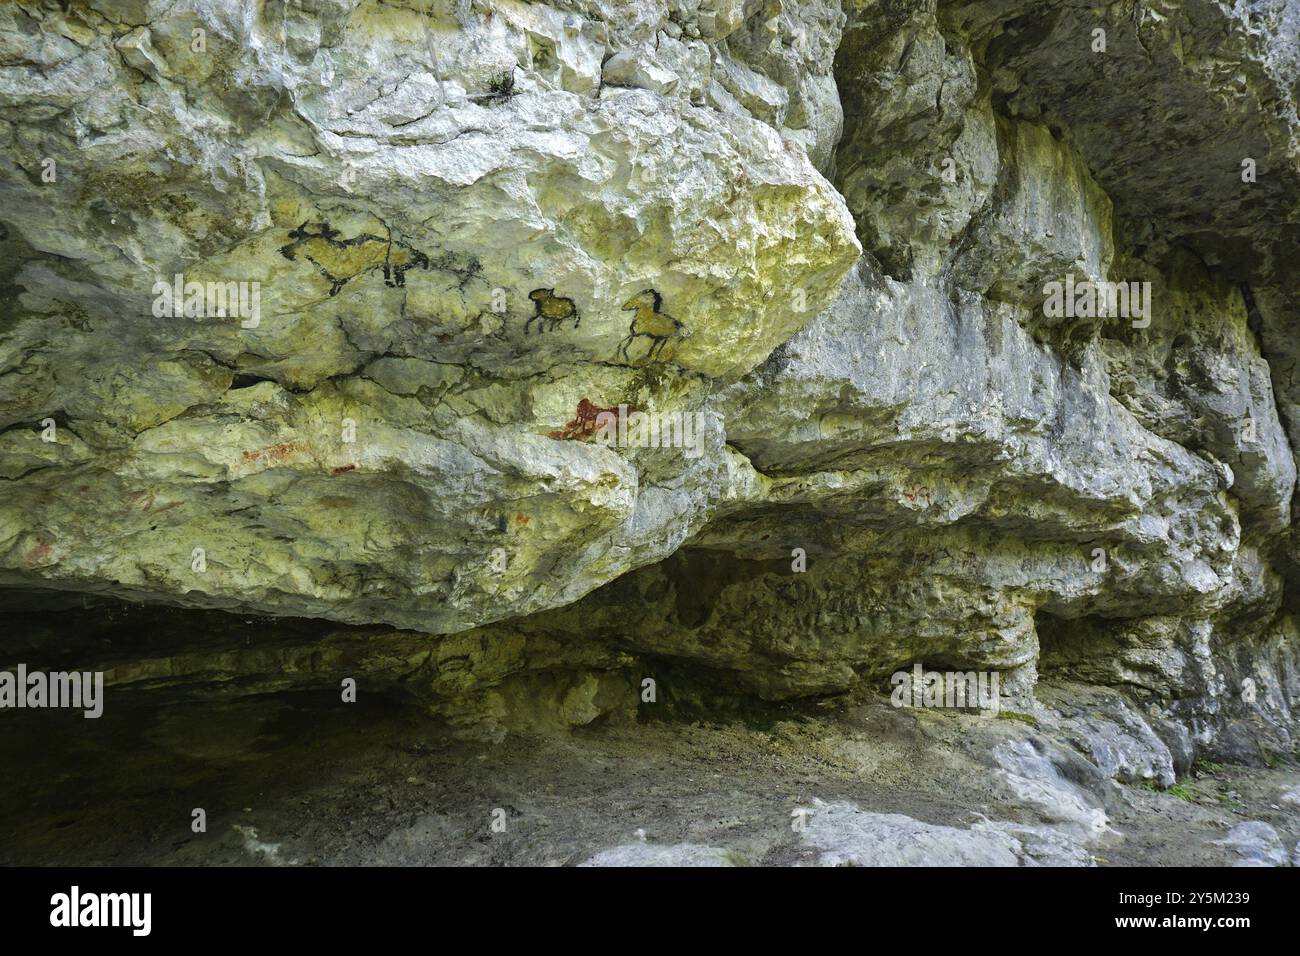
<point x="1208" y="766"/>
<point x="500" y="88"/>
<point x="1183" y="791"/>
<point x="1029" y="719"/>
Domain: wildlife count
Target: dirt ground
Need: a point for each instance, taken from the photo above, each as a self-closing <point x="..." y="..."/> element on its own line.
<point x="296" y="779"/>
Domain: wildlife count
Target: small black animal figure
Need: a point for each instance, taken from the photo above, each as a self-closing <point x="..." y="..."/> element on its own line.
<point x="549" y="310"/>
<point x="659" y="327"/>
<point x="340" y="260"/>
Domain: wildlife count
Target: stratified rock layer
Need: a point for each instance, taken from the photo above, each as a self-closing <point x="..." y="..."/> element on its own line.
<point x="817" y="237"/>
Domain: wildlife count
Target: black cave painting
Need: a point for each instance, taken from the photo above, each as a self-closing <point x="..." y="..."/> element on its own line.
<point x="549" y="310"/>
<point x="341" y="260"/>
<point x="650" y="323"/>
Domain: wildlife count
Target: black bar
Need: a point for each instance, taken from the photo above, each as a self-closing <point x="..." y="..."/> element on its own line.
<point x="333" y="906"/>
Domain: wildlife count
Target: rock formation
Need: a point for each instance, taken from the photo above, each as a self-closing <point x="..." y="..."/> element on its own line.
<point x="317" y="310"/>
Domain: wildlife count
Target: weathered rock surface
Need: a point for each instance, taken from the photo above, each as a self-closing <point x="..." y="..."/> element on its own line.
<point x="820" y="235"/>
<point x="1257" y="844"/>
<point x="403" y="189"/>
<point x="844" y="835"/>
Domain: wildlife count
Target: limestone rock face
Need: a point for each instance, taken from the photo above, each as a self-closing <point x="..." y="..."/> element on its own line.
<point x="456" y="231"/>
<point x="468" y="249"/>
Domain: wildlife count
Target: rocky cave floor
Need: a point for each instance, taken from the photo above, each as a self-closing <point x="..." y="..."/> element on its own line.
<point x="299" y="778"/>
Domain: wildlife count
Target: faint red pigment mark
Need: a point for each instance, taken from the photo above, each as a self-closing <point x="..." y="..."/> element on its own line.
<point x="521" y="518"/>
<point x="919" y="495"/>
<point x="584" y="424"/>
<point x="143" y="500"/>
<point x="341" y="469"/>
<point x="276" y="454"/>
<point x="41" y="550"/>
